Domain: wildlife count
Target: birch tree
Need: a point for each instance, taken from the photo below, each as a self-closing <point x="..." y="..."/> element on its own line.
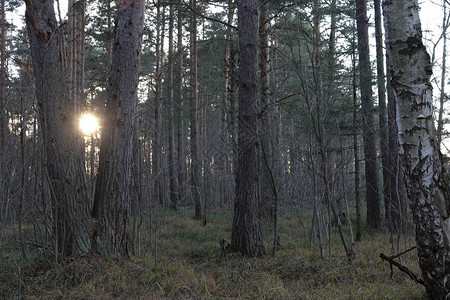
<point x="427" y="189"/>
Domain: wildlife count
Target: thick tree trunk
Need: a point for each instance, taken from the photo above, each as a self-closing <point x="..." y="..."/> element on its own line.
<point x="427" y="189"/>
<point x="195" y="161"/>
<point x="246" y="234"/>
<point x="111" y="213"/>
<point x="370" y="150"/>
<point x="58" y="124"/>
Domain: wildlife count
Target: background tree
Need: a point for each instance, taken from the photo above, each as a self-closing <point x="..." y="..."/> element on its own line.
<point x="194" y="143"/>
<point x="3" y="123"/>
<point x="370" y="156"/>
<point x="382" y="116"/>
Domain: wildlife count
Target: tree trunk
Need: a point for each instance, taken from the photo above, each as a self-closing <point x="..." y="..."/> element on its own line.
<point x="428" y="192"/>
<point x="225" y="161"/>
<point x="195" y="162"/>
<point x="58" y="124"/>
<point x="395" y="216"/>
<point x="178" y="95"/>
<point x="172" y="174"/>
<point x="355" y="143"/>
<point x="111" y="212"/>
<point x="381" y="84"/>
<point x="156" y="145"/>
<point x="246" y="234"/>
<point x="3" y="121"/>
<point x="440" y="128"/>
<point x="75" y="46"/>
<point x="266" y="206"/>
<point x="370" y="150"/>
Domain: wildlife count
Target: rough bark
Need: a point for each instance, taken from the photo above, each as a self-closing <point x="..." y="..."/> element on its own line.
<point x="370" y="154"/>
<point x="58" y="124"/>
<point x="246" y="236"/>
<point x="427" y="189"/>
<point x="111" y="212"/>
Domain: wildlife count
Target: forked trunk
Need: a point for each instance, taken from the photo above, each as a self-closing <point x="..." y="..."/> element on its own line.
<point x="112" y="201"/>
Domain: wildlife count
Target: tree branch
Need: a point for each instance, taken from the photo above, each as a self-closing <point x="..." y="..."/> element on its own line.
<point x="401" y="267"/>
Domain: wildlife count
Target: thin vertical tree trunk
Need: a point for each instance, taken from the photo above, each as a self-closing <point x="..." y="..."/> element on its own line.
<point x="156" y="145"/>
<point x="178" y="95"/>
<point x="370" y="154"/>
<point x="332" y="50"/>
<point x="355" y="145"/>
<point x="395" y="205"/>
<point x="381" y="84"/>
<point x="266" y="206"/>
<point x="172" y="173"/>
<point x="109" y="27"/>
<point x="112" y="202"/>
<point x="428" y="192"/>
<point x="3" y="121"/>
<point x="440" y="127"/>
<point x="233" y="122"/>
<point x="195" y="162"/>
<point x="75" y="46"/>
<point x="246" y="236"/>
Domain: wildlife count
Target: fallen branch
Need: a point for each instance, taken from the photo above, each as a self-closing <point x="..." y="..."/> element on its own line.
<point x="401" y="267"/>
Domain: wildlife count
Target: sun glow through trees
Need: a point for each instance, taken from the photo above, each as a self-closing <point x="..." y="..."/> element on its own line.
<point x="88" y="124"/>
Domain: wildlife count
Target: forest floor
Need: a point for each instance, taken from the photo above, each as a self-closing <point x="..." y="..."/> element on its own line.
<point x="190" y="265"/>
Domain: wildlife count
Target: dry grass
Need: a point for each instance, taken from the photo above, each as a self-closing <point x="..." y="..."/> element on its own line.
<point x="189" y="265"/>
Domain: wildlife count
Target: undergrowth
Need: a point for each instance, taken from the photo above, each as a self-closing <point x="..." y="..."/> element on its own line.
<point x="186" y="263"/>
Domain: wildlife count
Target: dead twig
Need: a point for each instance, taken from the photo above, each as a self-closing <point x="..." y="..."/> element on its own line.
<point x="401" y="267"/>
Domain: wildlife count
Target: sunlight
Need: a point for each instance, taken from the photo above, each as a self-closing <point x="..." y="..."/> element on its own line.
<point x="88" y="124"/>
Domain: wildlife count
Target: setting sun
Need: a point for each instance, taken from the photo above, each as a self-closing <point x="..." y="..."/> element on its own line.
<point x="88" y="124"/>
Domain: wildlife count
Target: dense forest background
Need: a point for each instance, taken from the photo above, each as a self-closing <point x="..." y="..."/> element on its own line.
<point x="265" y="128"/>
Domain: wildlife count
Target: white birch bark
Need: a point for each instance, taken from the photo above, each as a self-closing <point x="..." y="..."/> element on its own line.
<point x="410" y="72"/>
